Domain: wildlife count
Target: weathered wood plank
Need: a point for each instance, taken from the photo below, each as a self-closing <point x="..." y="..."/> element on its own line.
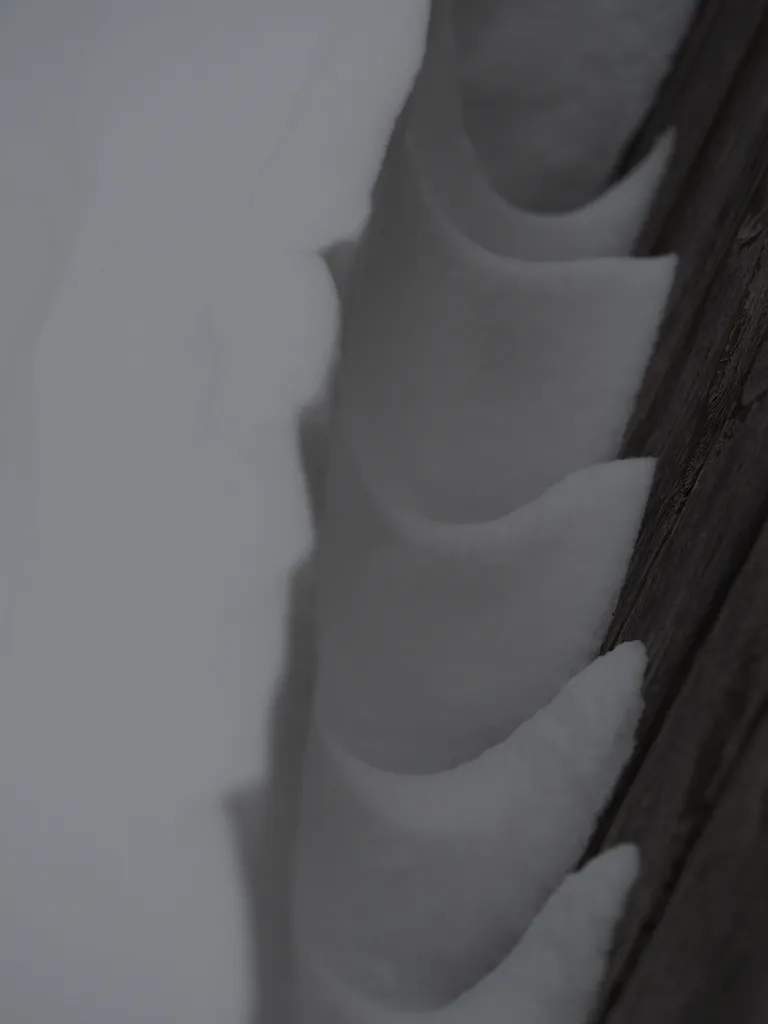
<point x="707" y="961"/>
<point x="691" y="405"/>
<point x="722" y="703"/>
<point x="693" y="946"/>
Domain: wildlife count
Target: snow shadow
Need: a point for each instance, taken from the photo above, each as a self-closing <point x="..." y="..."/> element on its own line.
<point x="264" y="818"/>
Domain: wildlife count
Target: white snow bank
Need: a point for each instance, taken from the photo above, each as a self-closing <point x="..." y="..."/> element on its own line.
<point x="168" y="168"/>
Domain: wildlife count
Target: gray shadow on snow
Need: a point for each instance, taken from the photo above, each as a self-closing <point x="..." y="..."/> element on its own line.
<point x="263" y="818"/>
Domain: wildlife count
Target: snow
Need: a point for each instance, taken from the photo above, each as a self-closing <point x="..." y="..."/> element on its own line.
<point x="554" y="89"/>
<point x="440" y="861"/>
<point x="497" y="615"/>
<point x="551" y="975"/>
<point x="453" y="383"/>
<point x="169" y="170"/>
<point x="476" y="530"/>
<point x="458" y="177"/>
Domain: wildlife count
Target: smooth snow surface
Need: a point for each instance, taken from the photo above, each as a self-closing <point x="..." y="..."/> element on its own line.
<point x="553" y="89"/>
<point x="476" y="528"/>
<point x="434" y="126"/>
<point x="437" y="640"/>
<point x="450" y="384"/>
<point x="454" y="865"/>
<point x="551" y="976"/>
<point x="168" y="169"/>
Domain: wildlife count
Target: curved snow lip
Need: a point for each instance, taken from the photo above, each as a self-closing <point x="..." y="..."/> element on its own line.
<point x="432" y="122"/>
<point x="415" y="885"/>
<point x="387" y="503"/>
<point x="552" y="974"/>
<point x="475" y="540"/>
<point x="436" y="640"/>
<point x="452" y="235"/>
<point x="453" y="365"/>
<point x="552" y="91"/>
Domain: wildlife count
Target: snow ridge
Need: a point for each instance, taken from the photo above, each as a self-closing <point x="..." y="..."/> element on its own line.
<point x="477" y="526"/>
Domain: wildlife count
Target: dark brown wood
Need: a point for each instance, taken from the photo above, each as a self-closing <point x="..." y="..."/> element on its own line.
<point x="703" y="747"/>
<point x="693" y="948"/>
<point x="692" y="405"/>
<point x="707" y="960"/>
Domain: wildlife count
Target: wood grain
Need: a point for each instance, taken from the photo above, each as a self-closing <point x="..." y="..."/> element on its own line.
<point x="707" y="960"/>
<point x="693" y="948"/>
<point x="706" y="742"/>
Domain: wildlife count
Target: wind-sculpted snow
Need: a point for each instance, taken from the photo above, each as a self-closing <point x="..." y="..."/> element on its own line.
<point x="477" y="526"/>
<point x="169" y="172"/>
<point x="168" y="169"/>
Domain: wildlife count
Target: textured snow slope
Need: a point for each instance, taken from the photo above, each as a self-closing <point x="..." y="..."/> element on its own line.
<point x="554" y="88"/>
<point x="168" y="168"/>
<point x="475" y="532"/>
